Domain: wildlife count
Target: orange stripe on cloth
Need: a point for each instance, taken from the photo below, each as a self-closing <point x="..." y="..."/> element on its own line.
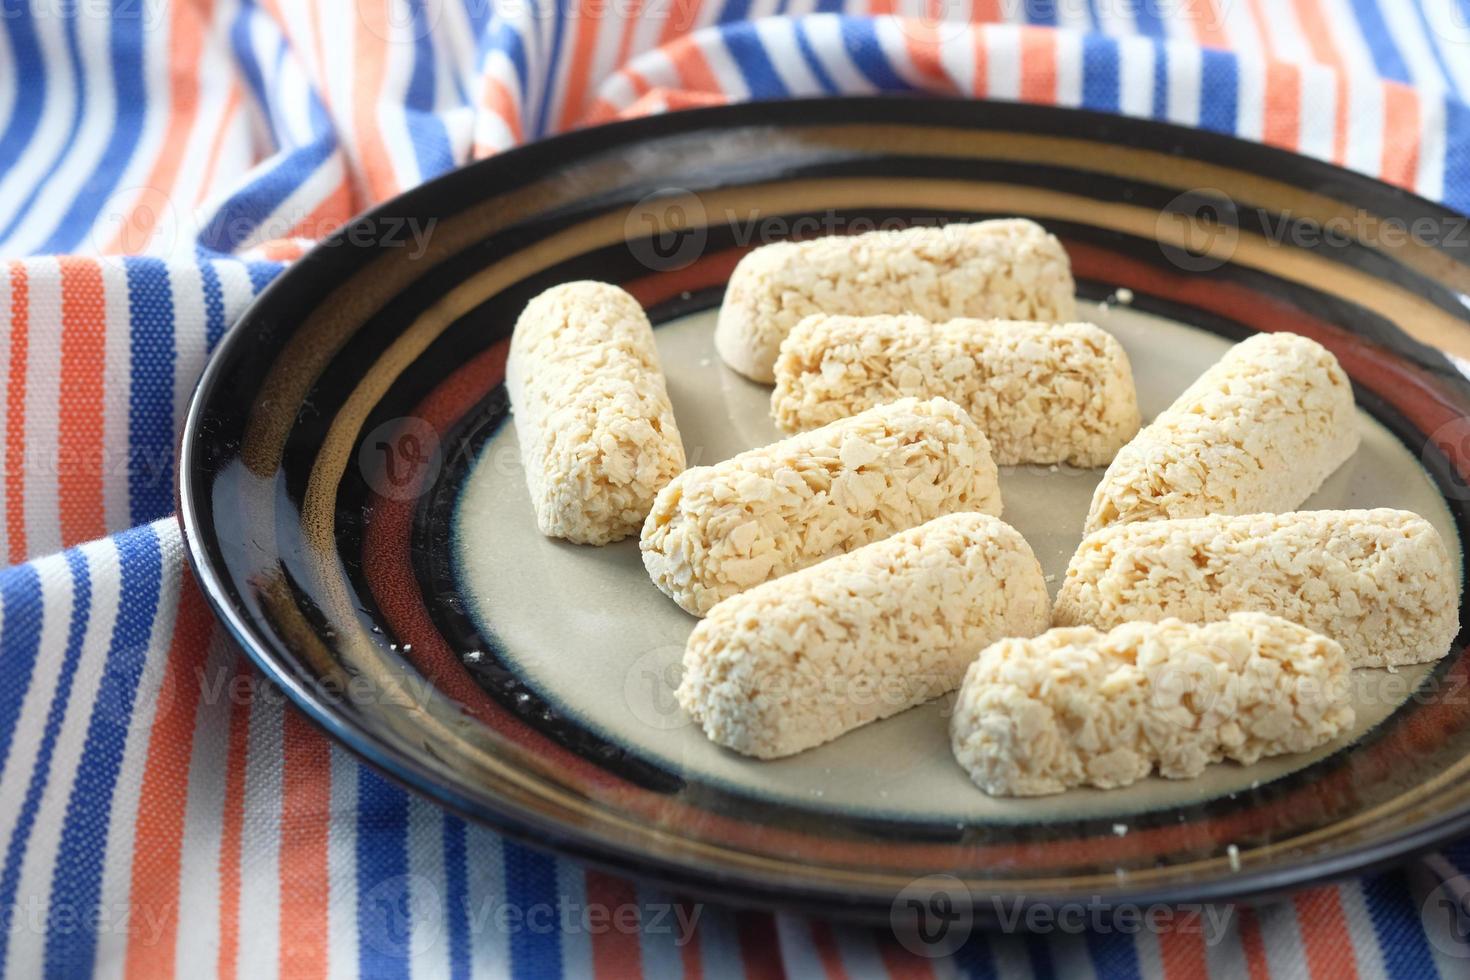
<point x="232" y="823"/>
<point x="1400" y="164"/>
<point x="760" y="948"/>
<point x="1282" y="125"/>
<point x="579" y="69"/>
<point x="603" y="111"/>
<point x="79" y="440"/>
<point x="1209" y="25"/>
<point x="497" y="99"/>
<point x="1252" y="945"/>
<point x="1038" y="65"/>
<point x="921" y="40"/>
<point x="986" y="12"/>
<point x="899" y="962"/>
<point x="217" y="143"/>
<point x="1182" y="950"/>
<point x="306" y="813"/>
<point x="371" y="50"/>
<point x="625" y="43"/>
<point x="825" y="943"/>
<point x="981" y="84"/>
<point x="1315" y="26"/>
<point x="1325" y="939"/>
<point x="683" y="15"/>
<point x="15" y="414"/>
<point x="164" y="797"/>
<point x="280" y="250"/>
<point x="185" y="43"/>
<point x="690" y="952"/>
<point x="695" y="74"/>
<point x="615" y="950"/>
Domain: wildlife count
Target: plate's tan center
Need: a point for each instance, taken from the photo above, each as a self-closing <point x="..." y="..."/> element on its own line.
<point x="586" y="629"/>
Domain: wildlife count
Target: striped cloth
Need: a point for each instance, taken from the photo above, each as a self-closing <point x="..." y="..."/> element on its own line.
<point x="162" y="812"/>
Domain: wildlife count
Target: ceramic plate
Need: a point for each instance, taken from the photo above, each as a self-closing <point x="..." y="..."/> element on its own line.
<point x="355" y="507"/>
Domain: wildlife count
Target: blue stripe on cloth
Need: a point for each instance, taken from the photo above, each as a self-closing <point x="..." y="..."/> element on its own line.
<point x="262" y="273"/>
<point x="242" y="45"/>
<point x="1161" y="81"/>
<point x="131" y="92"/>
<point x="278" y="64"/>
<point x="1148" y="18"/>
<point x="74" y="55"/>
<point x="1113" y="955"/>
<point x="749" y="53"/>
<point x="829" y="6"/>
<point x="1043" y="12"/>
<point x="25" y="821"/>
<point x="814" y="63"/>
<point x="1458" y="854"/>
<point x="478" y="13"/>
<point x="76" y="881"/>
<point x="236" y="219"/>
<point x="1100" y="82"/>
<point x="1457" y="155"/>
<point x="1038" y="951"/>
<point x="553" y="64"/>
<point x="384" y="897"/>
<point x="1219" y="91"/>
<point x="1386" y="57"/>
<point x="530" y="881"/>
<point x="21" y="601"/>
<point x="457" y="897"/>
<point x="734" y="11"/>
<point x="1094" y="22"/>
<point x="1399" y="928"/>
<point x="425" y="128"/>
<point x="974" y="959"/>
<point x="30" y="99"/>
<point x="214" y="303"/>
<point x="504" y="38"/>
<point x="150" y="391"/>
<point x="860" y="38"/>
